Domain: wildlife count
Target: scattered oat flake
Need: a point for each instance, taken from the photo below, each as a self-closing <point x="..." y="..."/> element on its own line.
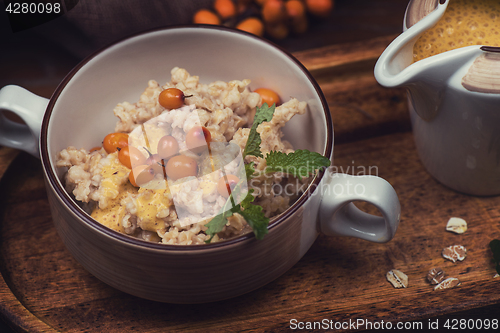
<point x="456" y="225"/>
<point x="496" y="275"/>
<point x="397" y="278"/>
<point x="454" y="253"/>
<point x="447" y="284"/>
<point x="435" y="276"/>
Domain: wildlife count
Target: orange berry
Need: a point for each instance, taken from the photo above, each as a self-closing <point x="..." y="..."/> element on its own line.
<point x="114" y="141"/>
<point x="181" y="166"/>
<point x="205" y="16"/>
<point x="171" y="98"/>
<point x="141" y="174"/>
<point x="131" y="157"/>
<point x="252" y="25"/>
<point x="273" y="11"/>
<point x="277" y="30"/>
<point x="94" y="149"/>
<point x="225" y="8"/>
<point x="226" y="185"/>
<point x="198" y="139"/>
<point x="295" y="9"/>
<point x="268" y="96"/>
<point x="321" y="8"/>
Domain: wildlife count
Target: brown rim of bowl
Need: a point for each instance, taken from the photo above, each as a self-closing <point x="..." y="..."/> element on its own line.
<point x="78" y="211"/>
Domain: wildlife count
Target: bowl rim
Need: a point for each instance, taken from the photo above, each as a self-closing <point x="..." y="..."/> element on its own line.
<point x="84" y="217"/>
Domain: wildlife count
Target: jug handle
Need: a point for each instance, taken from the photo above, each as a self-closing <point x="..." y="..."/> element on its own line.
<point x="339" y="216"/>
<point x="30" y="108"/>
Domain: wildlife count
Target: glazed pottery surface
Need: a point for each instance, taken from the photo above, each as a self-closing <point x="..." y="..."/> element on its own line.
<point x="453" y="100"/>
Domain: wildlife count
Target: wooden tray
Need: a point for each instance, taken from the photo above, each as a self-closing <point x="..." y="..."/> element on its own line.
<point x="42" y="288"/>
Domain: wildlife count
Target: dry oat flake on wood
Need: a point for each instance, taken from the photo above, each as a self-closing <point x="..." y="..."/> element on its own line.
<point x="435" y="276"/>
<point x="456" y="225"/>
<point x="397" y="278"/>
<point x="448" y="283"/>
<point x="454" y="253"/>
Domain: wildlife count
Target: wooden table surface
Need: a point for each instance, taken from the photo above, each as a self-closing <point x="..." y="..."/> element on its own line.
<point x="42" y="288"/>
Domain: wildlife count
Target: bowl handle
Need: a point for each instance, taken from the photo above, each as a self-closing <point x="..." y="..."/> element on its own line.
<point x="339" y="216"/>
<point x="30" y="108"/>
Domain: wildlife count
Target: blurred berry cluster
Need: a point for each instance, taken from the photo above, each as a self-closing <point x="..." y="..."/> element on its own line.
<point x="271" y="18"/>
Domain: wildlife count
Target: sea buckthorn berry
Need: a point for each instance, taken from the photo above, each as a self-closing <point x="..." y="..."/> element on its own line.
<point x="131" y="157"/>
<point x="268" y="96"/>
<point x="113" y="141"/>
<point x="226" y="184"/>
<point x="198" y="139"/>
<point x="205" y="16"/>
<point x="320" y="8"/>
<point x="171" y="98"/>
<point x="94" y="149"/>
<point x="157" y="163"/>
<point x="295" y="9"/>
<point x="181" y="166"/>
<point x="141" y="175"/>
<point x="252" y="25"/>
<point x="225" y="8"/>
<point x="273" y="11"/>
<point x="167" y="147"/>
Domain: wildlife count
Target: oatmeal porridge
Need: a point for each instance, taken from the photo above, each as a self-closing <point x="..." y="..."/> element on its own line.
<point x="172" y="162"/>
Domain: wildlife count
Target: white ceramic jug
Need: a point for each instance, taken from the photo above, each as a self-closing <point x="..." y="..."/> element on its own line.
<point x="454" y="103"/>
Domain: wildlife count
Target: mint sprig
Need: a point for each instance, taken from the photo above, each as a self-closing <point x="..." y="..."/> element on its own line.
<point x="252" y="147"/>
<point x="251" y="213"/>
<point x="300" y="163"/>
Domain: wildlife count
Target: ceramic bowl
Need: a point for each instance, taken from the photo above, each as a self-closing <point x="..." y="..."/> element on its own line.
<point x="80" y="114"/>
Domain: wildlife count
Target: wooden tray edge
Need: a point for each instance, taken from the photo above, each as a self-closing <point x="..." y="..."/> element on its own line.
<point x="12" y="311"/>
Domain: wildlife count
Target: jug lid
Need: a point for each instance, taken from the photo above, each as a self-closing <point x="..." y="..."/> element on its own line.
<point x="483" y="75"/>
<point x="418" y="9"/>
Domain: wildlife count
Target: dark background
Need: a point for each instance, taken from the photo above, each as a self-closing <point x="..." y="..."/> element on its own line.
<point x="39" y="58"/>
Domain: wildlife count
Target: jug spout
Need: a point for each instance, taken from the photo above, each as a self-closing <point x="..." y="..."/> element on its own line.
<point x="427" y="79"/>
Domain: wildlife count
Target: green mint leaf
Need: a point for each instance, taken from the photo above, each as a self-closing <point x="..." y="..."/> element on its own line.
<point x="216" y="224"/>
<point x="264" y="113"/>
<point x="300" y="163"/>
<point x="495" y="248"/>
<point x="252" y="147"/>
<point x="245" y="203"/>
<point x="219" y="221"/>
<point x="253" y="143"/>
<point x="249" y="170"/>
<point x="256" y="219"/>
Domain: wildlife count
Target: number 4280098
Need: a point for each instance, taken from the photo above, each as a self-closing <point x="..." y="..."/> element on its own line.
<point x="32" y="8"/>
<point x="478" y="324"/>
